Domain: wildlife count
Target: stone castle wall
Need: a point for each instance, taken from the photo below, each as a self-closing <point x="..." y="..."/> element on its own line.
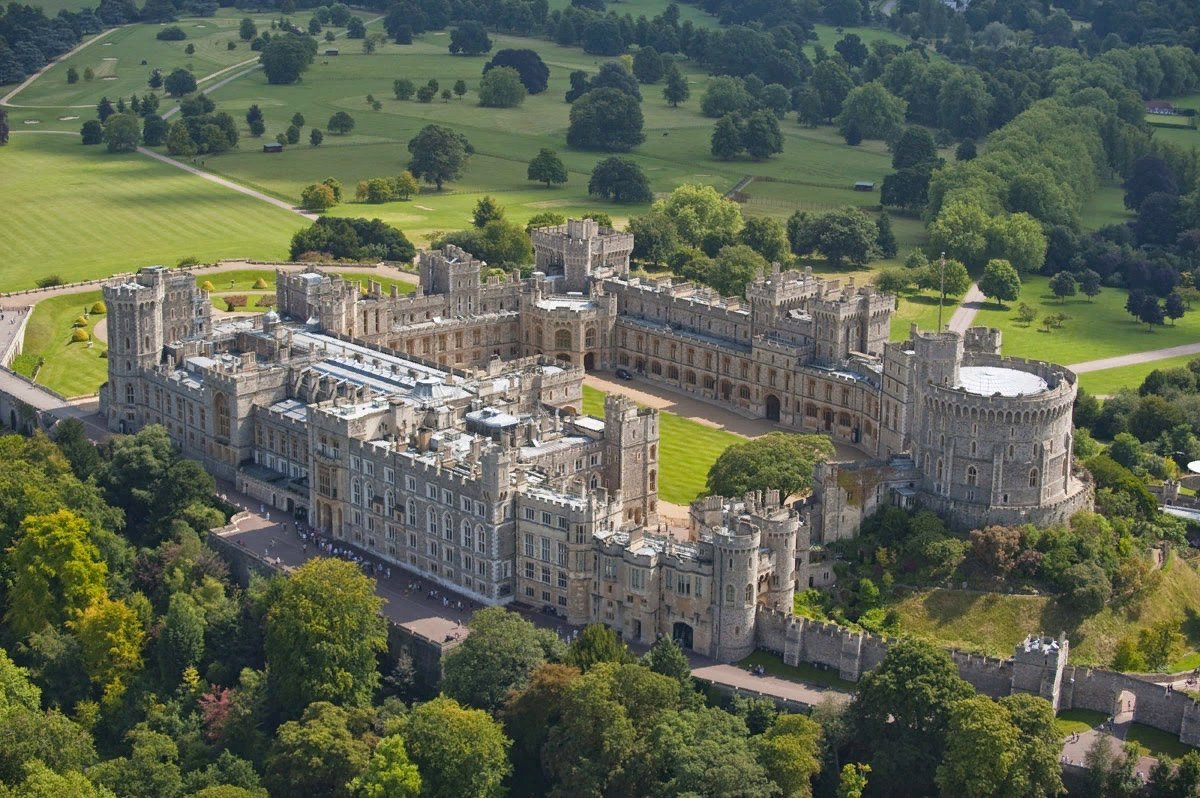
<point x="851" y="654"/>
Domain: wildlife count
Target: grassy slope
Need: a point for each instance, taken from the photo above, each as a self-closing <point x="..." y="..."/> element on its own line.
<point x="995" y="623"/>
<point x="1095" y="330"/>
<point x="70" y="368"/>
<point x="1112" y="380"/>
<point x="688" y="450"/>
<point x="81" y="212"/>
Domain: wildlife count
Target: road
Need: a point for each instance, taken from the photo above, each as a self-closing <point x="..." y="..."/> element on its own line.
<point x="6" y="99"/>
<point x="1135" y="358"/>
<point x="964" y="315"/>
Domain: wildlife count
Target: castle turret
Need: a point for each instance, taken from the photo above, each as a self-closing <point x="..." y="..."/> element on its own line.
<point x="735" y="555"/>
<point x="631" y="457"/>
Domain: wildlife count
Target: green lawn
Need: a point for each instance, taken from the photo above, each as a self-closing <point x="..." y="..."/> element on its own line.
<point x="1110" y="381"/>
<point x="1078" y="721"/>
<point x="238" y="280"/>
<point x="1154" y="742"/>
<point x="687" y="450"/>
<point x="252" y="301"/>
<point x="803" y="672"/>
<point x="1094" y="330"/>
<point x="1105" y="207"/>
<point x="80" y="212"/>
<point x="70" y="368"/>
<point x="994" y="623"/>
<point x="920" y="307"/>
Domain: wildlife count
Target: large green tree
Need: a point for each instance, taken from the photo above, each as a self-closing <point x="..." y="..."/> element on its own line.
<point x="286" y="56"/>
<point x="389" y="773"/>
<point x="528" y="717"/>
<point x="499" y="655"/>
<point x="501" y="88"/>
<point x="778" y="461"/>
<point x="901" y="715"/>
<point x="546" y="167"/>
<point x="700" y="213"/>
<point x="790" y="752"/>
<point x="323" y="634"/>
<point x="122" y="133"/>
<point x="1000" y="281"/>
<point x="619" y="180"/>
<point x="735" y="267"/>
<point x="605" y="119"/>
<point x="873" y="110"/>
<point x="318" y="755"/>
<point x="56" y="572"/>
<point x="438" y="154"/>
<point x="460" y="752"/>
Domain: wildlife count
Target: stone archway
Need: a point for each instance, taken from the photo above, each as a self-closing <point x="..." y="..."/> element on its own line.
<point x="589" y="361"/>
<point x="1124" y="707"/>
<point x="681" y="633"/>
<point x="772" y="404"/>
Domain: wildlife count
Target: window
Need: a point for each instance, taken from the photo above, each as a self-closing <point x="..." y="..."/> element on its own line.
<point x="562" y="339"/>
<point x="547" y="519"/>
<point x="431" y="524"/>
<point x="529" y="570"/>
<point x="431" y="491"/>
<point x="562" y="579"/>
<point x="637" y="579"/>
<point x="529" y="514"/>
<point x="749" y="594"/>
<point x="545" y="550"/>
<point x="545" y="575"/>
<point x="221" y="414"/>
<point x="972" y="476"/>
<point x="1033" y="477"/>
<point x="529" y="549"/>
<point x="410" y="513"/>
<point x="728" y="594"/>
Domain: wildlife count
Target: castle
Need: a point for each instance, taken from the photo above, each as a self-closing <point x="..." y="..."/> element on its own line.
<point x="442" y="431"/>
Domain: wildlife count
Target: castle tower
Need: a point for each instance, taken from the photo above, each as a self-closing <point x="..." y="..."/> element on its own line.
<point x="1038" y="667"/>
<point x="631" y="457"/>
<point x="456" y="273"/>
<point x="735" y="569"/>
<point x="135" y="338"/>
<point x="780" y="527"/>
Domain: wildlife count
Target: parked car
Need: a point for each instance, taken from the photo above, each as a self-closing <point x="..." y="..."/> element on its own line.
<point x="624" y="374"/>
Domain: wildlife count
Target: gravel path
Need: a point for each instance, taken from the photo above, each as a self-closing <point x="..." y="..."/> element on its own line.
<point x="1135" y="358"/>
<point x="5" y="100"/>
<point x="965" y="314"/>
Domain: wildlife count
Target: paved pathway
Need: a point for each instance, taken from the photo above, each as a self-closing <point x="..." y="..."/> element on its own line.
<point x="220" y="181"/>
<point x="1075" y="748"/>
<point x="964" y="315"/>
<point x="1135" y="358"/>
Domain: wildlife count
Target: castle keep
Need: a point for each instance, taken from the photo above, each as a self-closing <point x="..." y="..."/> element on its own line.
<point x="442" y="431"/>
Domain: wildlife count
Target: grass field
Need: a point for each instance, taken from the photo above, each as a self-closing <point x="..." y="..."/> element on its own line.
<point x="1112" y="380"/>
<point x="72" y="369"/>
<point x="1094" y="330"/>
<point x="1154" y="742"/>
<point x="803" y="672"/>
<point x="1106" y="206"/>
<point x="920" y="307"/>
<point x="687" y="450"/>
<point x="994" y="623"/>
<point x="1078" y="721"/>
<point x="81" y="212"/>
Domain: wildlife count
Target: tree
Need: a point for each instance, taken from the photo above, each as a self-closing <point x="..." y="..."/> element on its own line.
<point x="403" y="88"/>
<point x="469" y="38"/>
<point x="1000" y="281"/>
<point x="676" y="90"/>
<point x="1151" y="313"/>
<point x="179" y="83"/>
<point x="706" y="751"/>
<point x="761" y="135"/>
<point x="1089" y="284"/>
<point x="317" y="197"/>
<point x="390" y="773"/>
<point x="667" y="658"/>
<point x="832" y="83"/>
<point x="950" y="279"/>
<point x="356" y="239"/>
<point x="546" y="167"/>
<point x="885" y="239"/>
<point x="727" y="138"/>
<point x="1063" y="285"/>
<point x="1160" y="643"/>
<point x="286" y="56"/>
<point x="110" y="638"/>
<point x="648" y="65"/>
<point x="790" y="752"/>
<point x="92" y="132"/>
<point x="700" y="214"/>
<point x="915" y="147"/>
<point x="735" y="267"/>
<point x="603" y="37"/>
<point x="498" y="656"/>
<point x="960" y="230"/>
<point x="1148" y="175"/>
<point x="459" y="752"/>
<point x="776" y="461"/>
<point x="501" y="88"/>
<point x="966" y="151"/>
<point x="247" y="30"/>
<point x="1174" y="307"/>
<point x="893" y="281"/>
<point x="340" y="123"/>
<point x="438" y="154"/>
<point x="154" y="130"/>
<point x="605" y="119"/>
<point x="901" y="714"/>
<point x="292" y="134"/>
<point x="528" y="717"/>
<point x="152" y="768"/>
<point x="355" y="28"/>
<point x="315" y="137"/>
<point x="619" y="180"/>
<point x="853" y="780"/>
<point x="535" y="75"/>
<point x="56" y="572"/>
<point x="317" y="755"/>
<point x="460" y="88"/>
<point x="596" y="643"/>
<point x="907" y="188"/>
<point x="486" y="210"/>
<point x="877" y="113"/>
<point x="767" y="237"/>
<point x="1017" y="238"/>
<point x="179" y="141"/>
<point x="725" y="95"/>
<point x="844" y="234"/>
<point x="323" y="633"/>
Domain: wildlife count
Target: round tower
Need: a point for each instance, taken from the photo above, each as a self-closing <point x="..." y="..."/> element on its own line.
<point x="735" y="551"/>
<point x="780" y="527"/>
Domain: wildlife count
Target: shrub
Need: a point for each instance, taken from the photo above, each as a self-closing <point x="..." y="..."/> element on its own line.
<point x="99" y="307"/>
<point x="236" y="301"/>
<point x="80" y="335"/>
<point x="171" y="34"/>
<point x="207" y="286"/>
<point x="49" y="281"/>
<point x="80" y="321"/>
<point x="261" y="284"/>
<point x="266" y="302"/>
<point x="186" y="261"/>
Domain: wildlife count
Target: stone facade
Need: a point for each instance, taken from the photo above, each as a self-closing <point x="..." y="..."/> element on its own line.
<point x="441" y="431"/>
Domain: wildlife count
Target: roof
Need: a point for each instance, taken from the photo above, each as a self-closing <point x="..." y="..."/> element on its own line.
<point x="993" y="380"/>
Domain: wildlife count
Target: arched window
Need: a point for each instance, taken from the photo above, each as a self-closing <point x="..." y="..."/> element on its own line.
<point x="939" y="469"/>
<point x="562" y="339"/>
<point x="728" y="594"/>
<point x="749" y="594"/>
<point x="653" y="479"/>
<point x="1033" y="477"/>
<point x="744" y="392"/>
<point x="221" y="415"/>
<point x="480" y="538"/>
<point x="448" y="526"/>
<point x="129" y="393"/>
<point x="589" y="338"/>
<point x="410" y="513"/>
<point x="466" y="534"/>
<point x="672" y="372"/>
<point x="594" y="482"/>
<point x="387" y="501"/>
<point x="431" y="522"/>
<point x="972" y="476"/>
<point x="355" y="492"/>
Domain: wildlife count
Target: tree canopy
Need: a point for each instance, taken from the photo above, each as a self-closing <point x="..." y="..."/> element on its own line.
<point x="438" y="155"/>
<point x="776" y="461"/>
